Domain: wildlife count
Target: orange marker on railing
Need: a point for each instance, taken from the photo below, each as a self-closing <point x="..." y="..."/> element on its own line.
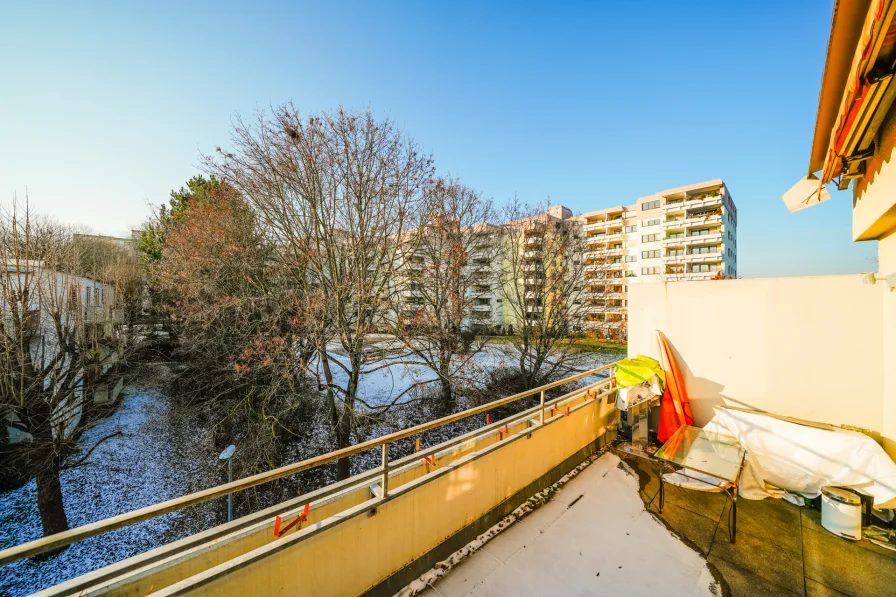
<point x="567" y="411"/>
<point x="429" y="460"/>
<point x="299" y="519"/>
<point x="503" y="432"/>
<point x="488" y="418"/>
<point x="418" y="445"/>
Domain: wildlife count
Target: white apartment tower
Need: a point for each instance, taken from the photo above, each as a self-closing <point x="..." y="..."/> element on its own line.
<point x="685" y="233"/>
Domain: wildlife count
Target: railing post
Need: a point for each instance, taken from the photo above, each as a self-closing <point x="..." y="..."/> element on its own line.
<point x="541" y="403"/>
<point x="385" y="481"/>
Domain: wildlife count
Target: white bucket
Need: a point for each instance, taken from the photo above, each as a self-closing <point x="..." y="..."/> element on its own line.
<point x="841" y="512"/>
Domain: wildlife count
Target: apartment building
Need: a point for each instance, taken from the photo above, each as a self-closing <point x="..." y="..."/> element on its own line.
<point x="685" y="233"/>
<point x="482" y="280"/>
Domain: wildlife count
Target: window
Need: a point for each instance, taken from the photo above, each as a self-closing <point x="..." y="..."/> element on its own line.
<point x="650" y="254"/>
<point x="631" y="258"/>
<point x="629" y="274"/>
<point x="704" y="250"/>
<point x="649" y="271"/>
<point x="652" y="222"/>
<point x="674" y="252"/>
<point x="631" y="228"/>
<point x="649" y="238"/>
<point x="87" y="297"/>
<point x="700" y="232"/>
<point x="729" y="236"/>
<point x="703" y="267"/>
<point x="675" y="235"/>
<point x="650" y="205"/>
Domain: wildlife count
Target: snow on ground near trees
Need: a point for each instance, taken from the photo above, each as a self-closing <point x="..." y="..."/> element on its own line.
<point x="385" y="385"/>
<point x="159" y="456"/>
<point x="156" y="459"/>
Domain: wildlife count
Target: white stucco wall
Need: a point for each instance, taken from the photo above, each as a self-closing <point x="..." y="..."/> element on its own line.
<point x="887" y="262"/>
<point x="810" y="347"/>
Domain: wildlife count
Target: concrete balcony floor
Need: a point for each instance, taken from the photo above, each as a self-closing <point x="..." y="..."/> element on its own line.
<point x="593" y="538"/>
<point x="601" y="535"/>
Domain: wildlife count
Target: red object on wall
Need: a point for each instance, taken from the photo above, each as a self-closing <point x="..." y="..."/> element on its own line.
<point x="668" y="418"/>
<point x="675" y="409"/>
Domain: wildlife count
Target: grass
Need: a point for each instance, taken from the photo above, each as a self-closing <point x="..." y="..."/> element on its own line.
<point x="586" y="343"/>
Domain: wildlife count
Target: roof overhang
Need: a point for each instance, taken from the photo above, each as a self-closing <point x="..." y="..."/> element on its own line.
<point x="846" y="27"/>
<point x="858" y="88"/>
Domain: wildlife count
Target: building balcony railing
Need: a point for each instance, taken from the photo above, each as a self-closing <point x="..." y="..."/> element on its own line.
<point x="616" y="222"/>
<point x="703" y="239"/>
<point x="592" y="254"/>
<point x="492" y="462"/>
<point x="682" y="223"/>
<point x="692" y="204"/>
<point x="605" y="309"/>
<point x="481" y="308"/>
<point x="692" y="258"/>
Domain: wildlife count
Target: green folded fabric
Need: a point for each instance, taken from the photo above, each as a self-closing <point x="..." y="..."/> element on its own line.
<point x="637" y="370"/>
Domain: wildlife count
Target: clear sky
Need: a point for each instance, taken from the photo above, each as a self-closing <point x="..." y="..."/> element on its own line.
<point x="105" y="108"/>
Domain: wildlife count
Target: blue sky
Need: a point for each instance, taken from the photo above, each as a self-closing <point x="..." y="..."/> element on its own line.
<point x="105" y="108"/>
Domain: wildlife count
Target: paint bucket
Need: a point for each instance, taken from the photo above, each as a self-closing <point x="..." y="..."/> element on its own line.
<point x="841" y="512"/>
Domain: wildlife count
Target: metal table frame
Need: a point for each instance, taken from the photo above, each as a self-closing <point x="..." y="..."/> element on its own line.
<point x="730" y="487"/>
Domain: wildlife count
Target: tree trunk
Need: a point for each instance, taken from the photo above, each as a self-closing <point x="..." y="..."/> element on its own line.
<point x="341" y="424"/>
<point x="344" y="425"/>
<point x="49" y="492"/>
<point x="343" y="440"/>
<point x="447" y="393"/>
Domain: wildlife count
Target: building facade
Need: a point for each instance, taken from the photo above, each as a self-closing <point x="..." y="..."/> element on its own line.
<point x="685" y="233"/>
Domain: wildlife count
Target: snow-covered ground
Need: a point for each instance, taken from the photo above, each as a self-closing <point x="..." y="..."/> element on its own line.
<point x="158" y="457"/>
<point x="162" y="454"/>
<point x="379" y="387"/>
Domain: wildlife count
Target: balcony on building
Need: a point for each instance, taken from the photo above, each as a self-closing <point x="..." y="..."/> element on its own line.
<point x="537" y="502"/>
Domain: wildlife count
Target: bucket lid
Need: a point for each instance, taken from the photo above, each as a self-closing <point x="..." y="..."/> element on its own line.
<point x="840" y="494"/>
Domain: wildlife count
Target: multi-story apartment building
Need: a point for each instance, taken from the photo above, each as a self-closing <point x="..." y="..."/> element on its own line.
<point x="685" y="233"/>
<point x="482" y="280"/>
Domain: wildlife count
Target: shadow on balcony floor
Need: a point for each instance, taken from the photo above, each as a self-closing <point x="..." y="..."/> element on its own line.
<point x="781" y="549"/>
<point x="595" y="538"/>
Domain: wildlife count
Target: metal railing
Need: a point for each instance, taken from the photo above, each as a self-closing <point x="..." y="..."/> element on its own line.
<point x="53" y="542"/>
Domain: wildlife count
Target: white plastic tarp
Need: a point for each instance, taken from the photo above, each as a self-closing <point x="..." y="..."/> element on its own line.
<point x="803" y="459"/>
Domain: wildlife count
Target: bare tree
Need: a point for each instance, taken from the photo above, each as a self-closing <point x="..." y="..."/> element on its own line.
<point x="59" y="338"/>
<point x="543" y="283"/>
<point x="338" y="192"/>
<point x="440" y="283"/>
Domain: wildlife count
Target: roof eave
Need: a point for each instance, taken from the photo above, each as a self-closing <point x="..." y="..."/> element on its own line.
<point x="846" y="28"/>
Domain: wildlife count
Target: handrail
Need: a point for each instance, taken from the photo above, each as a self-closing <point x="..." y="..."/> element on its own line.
<point x="52" y="542"/>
